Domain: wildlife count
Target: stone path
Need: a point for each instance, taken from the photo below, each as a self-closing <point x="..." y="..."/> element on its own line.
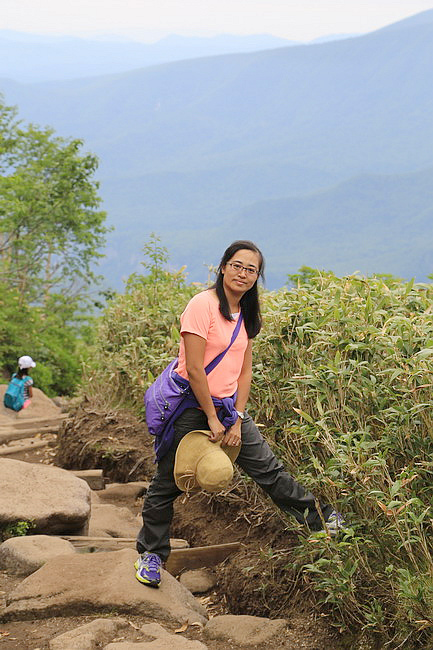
<point x="62" y="583"/>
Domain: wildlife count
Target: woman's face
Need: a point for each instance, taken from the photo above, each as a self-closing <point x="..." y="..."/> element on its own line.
<point x="241" y="271"/>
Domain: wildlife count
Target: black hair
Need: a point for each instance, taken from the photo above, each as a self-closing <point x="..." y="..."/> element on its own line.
<point x="250" y="306"/>
<point x="22" y="372"/>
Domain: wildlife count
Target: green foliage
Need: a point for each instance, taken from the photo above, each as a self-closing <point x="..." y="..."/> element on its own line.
<point x="18" y="529"/>
<point x="138" y="333"/>
<point x="51" y="228"/>
<point x="343" y="378"/>
<point x="50" y="233"/>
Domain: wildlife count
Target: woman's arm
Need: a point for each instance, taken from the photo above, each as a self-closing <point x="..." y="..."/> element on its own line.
<point x="233" y="435"/>
<point x="194" y="358"/>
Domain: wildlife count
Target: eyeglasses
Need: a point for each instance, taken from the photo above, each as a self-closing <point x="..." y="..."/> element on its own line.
<point x="240" y="267"/>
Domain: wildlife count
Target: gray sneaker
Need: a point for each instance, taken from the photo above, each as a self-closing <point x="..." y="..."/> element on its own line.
<point x="335" y="523"/>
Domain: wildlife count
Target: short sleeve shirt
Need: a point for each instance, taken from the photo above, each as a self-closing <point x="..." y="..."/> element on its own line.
<point x="203" y="317"/>
<point x="27" y="384"/>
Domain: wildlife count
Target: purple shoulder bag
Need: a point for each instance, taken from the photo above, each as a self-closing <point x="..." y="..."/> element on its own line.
<point x="164" y="397"/>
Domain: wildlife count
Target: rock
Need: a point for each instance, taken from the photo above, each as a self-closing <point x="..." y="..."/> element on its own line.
<point x="124" y="492"/>
<point x="198" y="582"/>
<point x="162" y="640"/>
<point x="41" y="406"/>
<point x="244" y="630"/>
<point x="94" y="497"/>
<point x="171" y="643"/>
<point x="99" y="582"/>
<point x="24" y="555"/>
<point x="66" y="404"/>
<point x="112" y="521"/>
<point x="93" y="477"/>
<point x="154" y="631"/>
<point x="89" y="636"/>
<point x="51" y="498"/>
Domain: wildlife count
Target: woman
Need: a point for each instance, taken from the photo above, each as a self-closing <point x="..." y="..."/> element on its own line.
<point x="207" y="325"/>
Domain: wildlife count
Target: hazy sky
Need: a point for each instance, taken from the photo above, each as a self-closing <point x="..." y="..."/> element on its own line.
<point x="293" y="19"/>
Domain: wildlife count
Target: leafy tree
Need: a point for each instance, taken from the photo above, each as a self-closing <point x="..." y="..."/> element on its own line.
<point x="51" y="227"/>
<point x="51" y="230"/>
<point x="138" y="332"/>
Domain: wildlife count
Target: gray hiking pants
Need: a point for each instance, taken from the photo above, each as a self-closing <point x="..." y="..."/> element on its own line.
<point x="255" y="458"/>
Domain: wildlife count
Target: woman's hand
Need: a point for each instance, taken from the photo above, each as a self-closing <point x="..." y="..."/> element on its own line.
<point x="233" y="435"/>
<point x="216" y="427"/>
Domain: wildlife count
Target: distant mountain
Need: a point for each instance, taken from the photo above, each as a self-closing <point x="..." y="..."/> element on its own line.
<point x="33" y="58"/>
<point x="344" y="107"/>
<point x="422" y="18"/>
<point x="332" y="37"/>
<point x="28" y="57"/>
<point x="371" y="224"/>
<point x="187" y="148"/>
<point x="375" y="224"/>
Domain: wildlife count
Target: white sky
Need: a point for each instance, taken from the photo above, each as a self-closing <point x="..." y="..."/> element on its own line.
<point x="151" y="19"/>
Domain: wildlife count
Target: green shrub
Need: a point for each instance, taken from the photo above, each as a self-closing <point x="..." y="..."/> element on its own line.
<point x="18" y="529"/>
<point x="138" y="333"/>
<point x="343" y="377"/>
<point x="56" y="339"/>
<point x="343" y="382"/>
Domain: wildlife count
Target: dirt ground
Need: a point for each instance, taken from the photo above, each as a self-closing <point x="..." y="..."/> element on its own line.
<point x="247" y="582"/>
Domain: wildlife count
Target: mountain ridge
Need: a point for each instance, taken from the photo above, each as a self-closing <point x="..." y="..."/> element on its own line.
<point x="196" y="142"/>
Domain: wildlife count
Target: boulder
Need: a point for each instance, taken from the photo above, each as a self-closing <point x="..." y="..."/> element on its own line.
<point x="124" y="492"/>
<point x="41" y="406"/>
<point x="162" y="640"/>
<point x="99" y="582"/>
<point x="24" y="555"/>
<point x="244" y="630"/>
<point x="89" y="636"/>
<point x="107" y="520"/>
<point x="51" y="498"/>
<point x="94" y="497"/>
<point x="199" y="581"/>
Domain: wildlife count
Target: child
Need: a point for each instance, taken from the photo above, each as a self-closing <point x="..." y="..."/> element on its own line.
<point x="25" y="364"/>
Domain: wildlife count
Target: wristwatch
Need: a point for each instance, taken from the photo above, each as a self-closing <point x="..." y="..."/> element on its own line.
<point x="241" y="414"/>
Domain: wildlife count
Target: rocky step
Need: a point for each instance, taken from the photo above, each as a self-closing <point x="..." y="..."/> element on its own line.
<point x="17" y="449"/>
<point x="181" y="557"/>
<point x="106" y="543"/>
<point x="31" y="423"/>
<point x="102" y="583"/>
<point x="94" y="478"/>
<point x="199" y="557"/>
<point x="9" y="435"/>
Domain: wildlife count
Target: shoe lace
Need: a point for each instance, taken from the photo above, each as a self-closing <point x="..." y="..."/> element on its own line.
<point x="152" y="561"/>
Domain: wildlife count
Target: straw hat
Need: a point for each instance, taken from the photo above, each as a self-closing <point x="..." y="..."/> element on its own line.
<point x="201" y="464"/>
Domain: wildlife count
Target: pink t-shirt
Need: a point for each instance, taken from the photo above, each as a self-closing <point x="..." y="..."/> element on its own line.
<point x="203" y="317"/>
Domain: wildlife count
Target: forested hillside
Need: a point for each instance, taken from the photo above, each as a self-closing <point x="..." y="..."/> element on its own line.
<point x="188" y="146"/>
<point x="31" y="57"/>
<point x="51" y="233"/>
